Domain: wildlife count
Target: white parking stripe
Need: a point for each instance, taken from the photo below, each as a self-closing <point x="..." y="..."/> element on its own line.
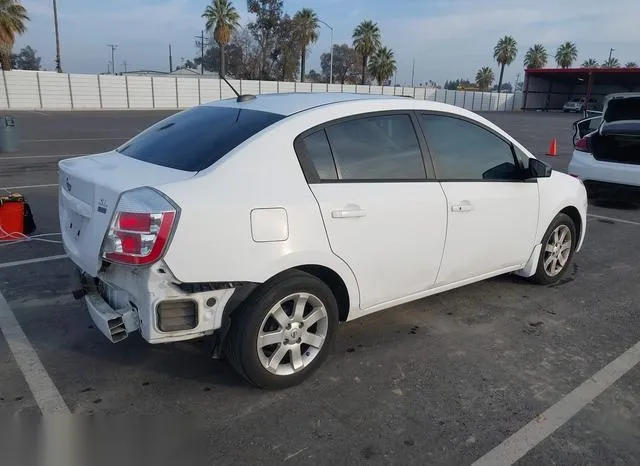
<point x="8" y="188"/>
<point x="75" y="139"/>
<point x="37" y="260"/>
<point x="611" y="219"/>
<point x="19" y="157"/>
<point x="523" y="441"/>
<point x="42" y="387"/>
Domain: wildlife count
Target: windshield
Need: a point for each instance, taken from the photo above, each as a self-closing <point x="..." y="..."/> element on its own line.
<point x="195" y="139"/>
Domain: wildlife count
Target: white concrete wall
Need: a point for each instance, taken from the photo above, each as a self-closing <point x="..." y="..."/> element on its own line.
<point x="30" y="90"/>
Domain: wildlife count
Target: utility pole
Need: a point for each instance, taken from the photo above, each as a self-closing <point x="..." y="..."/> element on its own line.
<point x="610" y="53"/>
<point x="124" y="63"/>
<point x="413" y="71"/>
<point x="331" y="59"/>
<point x="200" y="39"/>
<point x="202" y="52"/>
<point x="170" y="60"/>
<point x="55" y="25"/>
<point x="113" y="57"/>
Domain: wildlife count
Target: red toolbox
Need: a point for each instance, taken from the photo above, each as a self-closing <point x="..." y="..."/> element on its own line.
<point x="12" y="216"/>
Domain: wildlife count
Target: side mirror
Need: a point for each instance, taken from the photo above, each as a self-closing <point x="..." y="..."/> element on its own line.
<point x="538" y="169"/>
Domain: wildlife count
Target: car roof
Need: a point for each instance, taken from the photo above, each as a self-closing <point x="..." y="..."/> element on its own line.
<point x="294" y="102"/>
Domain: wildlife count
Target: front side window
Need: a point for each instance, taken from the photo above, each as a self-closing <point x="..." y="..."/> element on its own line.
<point x="465" y="151"/>
<point x="376" y="148"/>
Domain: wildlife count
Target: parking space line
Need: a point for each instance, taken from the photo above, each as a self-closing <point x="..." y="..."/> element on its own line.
<point x="75" y="139"/>
<point x="42" y="387"/>
<point x="37" y="260"/>
<point x="524" y="440"/>
<point x="28" y="186"/>
<point x="19" y="157"/>
<point x="611" y="219"/>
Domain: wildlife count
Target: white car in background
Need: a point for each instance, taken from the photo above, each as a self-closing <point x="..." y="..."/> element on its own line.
<point x="606" y="156"/>
<point x="265" y="221"/>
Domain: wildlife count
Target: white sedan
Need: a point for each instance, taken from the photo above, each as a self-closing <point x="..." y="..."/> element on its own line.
<point x="265" y="221"/>
<point x="607" y="148"/>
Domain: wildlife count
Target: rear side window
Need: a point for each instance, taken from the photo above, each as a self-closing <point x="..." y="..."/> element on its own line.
<point x="195" y="139"/>
<point x="376" y="148"/>
<point x="316" y="150"/>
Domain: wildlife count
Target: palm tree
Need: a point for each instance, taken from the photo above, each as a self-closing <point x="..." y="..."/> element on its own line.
<point x="536" y="57"/>
<point x="590" y="63"/>
<point x="222" y="18"/>
<point x="306" y="26"/>
<point x="504" y="53"/>
<point x="566" y="55"/>
<point x="484" y="78"/>
<point x="631" y="64"/>
<point x="366" y="40"/>
<point x="382" y="65"/>
<point x="612" y="62"/>
<point x="13" y="17"/>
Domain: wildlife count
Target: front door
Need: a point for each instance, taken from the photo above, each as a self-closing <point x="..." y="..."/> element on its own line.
<point x="383" y="216"/>
<point x="492" y="212"/>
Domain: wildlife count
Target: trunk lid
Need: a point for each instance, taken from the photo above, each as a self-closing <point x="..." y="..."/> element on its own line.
<point x="88" y="193"/>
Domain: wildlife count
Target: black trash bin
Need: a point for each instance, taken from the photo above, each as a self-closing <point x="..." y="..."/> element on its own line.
<point x="8" y="135"/>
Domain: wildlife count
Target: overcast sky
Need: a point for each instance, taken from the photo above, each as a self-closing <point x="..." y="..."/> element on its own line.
<point x="447" y="38"/>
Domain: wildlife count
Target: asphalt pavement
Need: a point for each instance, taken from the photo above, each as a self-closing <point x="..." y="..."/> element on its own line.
<point x="443" y="380"/>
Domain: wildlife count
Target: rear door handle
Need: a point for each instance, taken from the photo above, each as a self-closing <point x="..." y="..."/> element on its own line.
<point x="464" y="206"/>
<point x="348" y="213"/>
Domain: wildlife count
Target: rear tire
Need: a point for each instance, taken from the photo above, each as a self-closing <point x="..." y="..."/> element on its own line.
<point x="283" y="332"/>
<point x="558" y="247"/>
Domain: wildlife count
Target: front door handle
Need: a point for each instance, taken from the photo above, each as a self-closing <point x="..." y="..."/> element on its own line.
<point x="464" y="206"/>
<point x="348" y="213"/>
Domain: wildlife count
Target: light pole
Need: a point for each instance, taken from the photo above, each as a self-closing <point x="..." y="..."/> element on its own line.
<point x="331" y="59"/>
<point x="113" y="57"/>
<point x="55" y="25"/>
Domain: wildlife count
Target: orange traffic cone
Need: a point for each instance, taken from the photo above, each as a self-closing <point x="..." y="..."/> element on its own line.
<point x="553" y="148"/>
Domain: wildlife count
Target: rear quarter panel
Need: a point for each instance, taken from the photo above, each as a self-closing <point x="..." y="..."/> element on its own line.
<point x="213" y="241"/>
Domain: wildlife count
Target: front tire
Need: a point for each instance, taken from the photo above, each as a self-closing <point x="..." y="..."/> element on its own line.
<point x="284" y="331"/>
<point x="558" y="247"/>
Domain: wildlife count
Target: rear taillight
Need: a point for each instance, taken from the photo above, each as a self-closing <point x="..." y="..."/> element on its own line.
<point x="583" y="144"/>
<point x="141" y="228"/>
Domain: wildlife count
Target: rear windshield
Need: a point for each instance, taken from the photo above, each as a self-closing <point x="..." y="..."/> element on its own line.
<point x="195" y="139"/>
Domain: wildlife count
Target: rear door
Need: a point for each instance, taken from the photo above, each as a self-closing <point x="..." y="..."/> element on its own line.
<point x="492" y="212"/>
<point x="384" y="216"/>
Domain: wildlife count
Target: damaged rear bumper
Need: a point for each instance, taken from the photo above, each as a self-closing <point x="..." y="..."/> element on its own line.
<point x="123" y="300"/>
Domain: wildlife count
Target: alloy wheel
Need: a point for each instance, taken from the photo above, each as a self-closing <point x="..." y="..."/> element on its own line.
<point x="557" y="250"/>
<point x="292" y="334"/>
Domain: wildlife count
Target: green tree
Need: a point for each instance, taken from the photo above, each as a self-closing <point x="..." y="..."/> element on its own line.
<point x="484" y="78"/>
<point x="366" y="40"/>
<point x="286" y="55"/>
<point x="505" y="53"/>
<point x="631" y="64"/>
<point x="346" y="64"/>
<point x="566" y="54"/>
<point x="26" y="59"/>
<point x="222" y="19"/>
<point x="265" y="30"/>
<point x="612" y="62"/>
<point x="306" y="31"/>
<point x="382" y="65"/>
<point x="453" y="85"/>
<point x="13" y="17"/>
<point x="536" y="57"/>
<point x="590" y="63"/>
